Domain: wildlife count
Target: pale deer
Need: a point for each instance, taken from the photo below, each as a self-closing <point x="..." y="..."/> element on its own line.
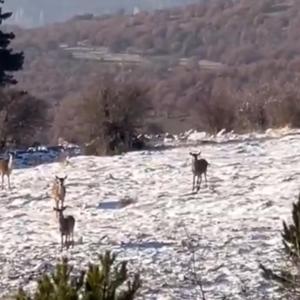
<point x="199" y="167"/>
<point x="59" y="191"/>
<point x="64" y="159"/>
<point x="66" y="227"/>
<point x="6" y="166"/>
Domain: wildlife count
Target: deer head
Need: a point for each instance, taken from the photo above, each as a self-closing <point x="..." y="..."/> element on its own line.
<point x="60" y="180"/>
<point x="195" y="155"/>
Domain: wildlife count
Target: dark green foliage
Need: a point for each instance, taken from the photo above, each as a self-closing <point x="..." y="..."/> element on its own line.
<point x="103" y="282"/>
<point x="106" y="281"/>
<point x="291" y="233"/>
<point x="9" y="61"/>
<point x="288" y="277"/>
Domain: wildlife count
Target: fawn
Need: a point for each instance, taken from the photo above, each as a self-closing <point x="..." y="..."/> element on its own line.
<point x="59" y="191"/>
<point x="6" y="169"/>
<point x="66" y="227"/>
<point x="199" y="167"/>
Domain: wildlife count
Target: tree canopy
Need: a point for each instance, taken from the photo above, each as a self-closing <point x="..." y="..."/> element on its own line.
<point x="10" y="61"/>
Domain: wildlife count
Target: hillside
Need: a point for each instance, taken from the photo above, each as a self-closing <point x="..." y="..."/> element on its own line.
<point x="234" y="220"/>
<point x="183" y="54"/>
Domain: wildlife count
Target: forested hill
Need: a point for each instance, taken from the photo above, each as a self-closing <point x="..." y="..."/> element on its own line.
<point x="180" y="52"/>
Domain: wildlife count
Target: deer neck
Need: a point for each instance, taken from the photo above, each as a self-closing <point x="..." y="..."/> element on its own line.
<point x="61" y="218"/>
<point x="60" y="188"/>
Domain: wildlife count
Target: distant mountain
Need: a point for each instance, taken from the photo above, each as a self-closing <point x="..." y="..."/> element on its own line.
<point x="31" y="13"/>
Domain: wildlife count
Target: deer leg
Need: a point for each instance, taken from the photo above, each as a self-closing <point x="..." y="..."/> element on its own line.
<point x="199" y="182"/>
<point x="62" y="242"/>
<point x="70" y="240"/>
<point x="56" y="205"/>
<point x="2" y="181"/>
<point x="193" y="182"/>
<point x="205" y="178"/>
<point x="8" y="181"/>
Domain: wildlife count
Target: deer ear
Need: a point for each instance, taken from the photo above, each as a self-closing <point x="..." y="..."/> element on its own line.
<point x="54" y="208"/>
<point x="191" y="153"/>
<point x="65" y="177"/>
<point x="199" y="153"/>
<point x="56" y="177"/>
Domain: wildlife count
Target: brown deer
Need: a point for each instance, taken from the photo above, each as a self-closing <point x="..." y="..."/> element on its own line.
<point x="199" y="167"/>
<point x="6" y="169"/>
<point x="66" y="227"/>
<point x="59" y="191"/>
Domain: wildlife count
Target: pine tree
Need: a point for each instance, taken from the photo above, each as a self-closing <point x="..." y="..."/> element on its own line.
<point x="104" y="281"/>
<point x="9" y="61"/>
<point x="288" y="276"/>
<point x="291" y="233"/>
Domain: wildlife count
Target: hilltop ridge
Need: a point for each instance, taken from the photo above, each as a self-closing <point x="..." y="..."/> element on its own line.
<point x="31" y="13"/>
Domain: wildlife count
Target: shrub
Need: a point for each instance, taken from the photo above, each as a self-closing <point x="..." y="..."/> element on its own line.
<point x="267" y="105"/>
<point x="271" y="105"/>
<point x="218" y="112"/>
<point x="107" y="117"/>
<point x="105" y="281"/>
<point x="22" y="117"/>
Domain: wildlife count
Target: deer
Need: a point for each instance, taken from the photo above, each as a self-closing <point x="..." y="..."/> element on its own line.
<point x="66" y="227"/>
<point x="199" y="167"/>
<point x="59" y="191"/>
<point x="64" y="159"/>
<point x="6" y="166"/>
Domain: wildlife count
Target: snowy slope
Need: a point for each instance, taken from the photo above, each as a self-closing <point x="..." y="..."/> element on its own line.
<point x="251" y="187"/>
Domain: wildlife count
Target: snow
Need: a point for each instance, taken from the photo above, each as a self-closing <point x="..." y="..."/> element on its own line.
<point x="234" y="222"/>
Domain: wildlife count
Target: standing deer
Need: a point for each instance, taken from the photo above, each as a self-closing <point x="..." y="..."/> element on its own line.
<point x="199" y="167"/>
<point x="66" y="227"/>
<point x="59" y="191"/>
<point x="6" y="169"/>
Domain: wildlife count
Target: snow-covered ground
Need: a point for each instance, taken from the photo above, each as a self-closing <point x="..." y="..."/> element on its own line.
<point x="235" y="220"/>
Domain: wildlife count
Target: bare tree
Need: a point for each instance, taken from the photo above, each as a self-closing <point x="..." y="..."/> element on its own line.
<point x="22" y="117"/>
<point x="107" y="117"/>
